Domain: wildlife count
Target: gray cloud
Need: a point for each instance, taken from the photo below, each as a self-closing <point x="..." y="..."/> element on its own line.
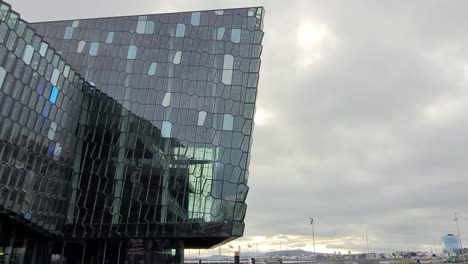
<point x="370" y="136"/>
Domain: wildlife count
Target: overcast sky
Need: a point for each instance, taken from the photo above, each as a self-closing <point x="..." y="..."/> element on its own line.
<point x="361" y="118"/>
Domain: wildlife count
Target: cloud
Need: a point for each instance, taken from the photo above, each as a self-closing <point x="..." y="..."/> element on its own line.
<point x="369" y="134"/>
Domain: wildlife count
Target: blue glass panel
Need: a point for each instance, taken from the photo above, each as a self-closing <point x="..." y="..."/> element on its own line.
<point x="40" y="88"/>
<point x="50" y="150"/>
<point x="45" y="111"/>
<point x="27" y="216"/>
<point x="54" y="94"/>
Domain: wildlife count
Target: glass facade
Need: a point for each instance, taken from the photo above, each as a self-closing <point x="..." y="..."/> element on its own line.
<point x="131" y="135"/>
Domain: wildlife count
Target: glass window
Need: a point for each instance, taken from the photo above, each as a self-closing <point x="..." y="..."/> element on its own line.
<point x="177" y="57"/>
<point x="28" y="53"/>
<point x="152" y="69"/>
<point x="201" y="118"/>
<point x="3" y="31"/>
<point x="75" y="24"/>
<point x="227" y="77"/>
<point x="2" y="76"/>
<point x="50" y="150"/>
<point x="219" y="12"/>
<point x="81" y="46"/>
<point x="141" y="27"/>
<point x="68" y="33"/>
<point x="55" y="76"/>
<point x="12" y="20"/>
<point x="110" y="38"/>
<point x="132" y="52"/>
<point x="220" y="35"/>
<point x="52" y="130"/>
<point x="167" y="100"/>
<point x="228" y="62"/>
<point x="43" y="49"/>
<point x="66" y="71"/>
<point x="93" y="49"/>
<point x="235" y="35"/>
<point x="180" y="30"/>
<point x="54" y="94"/>
<point x="149" y="29"/>
<point x="45" y="111"/>
<point x="40" y="88"/>
<point x="166" y="129"/>
<point x="195" y="18"/>
<point x="12" y="37"/>
<point x="228" y="122"/>
<point x="3" y="11"/>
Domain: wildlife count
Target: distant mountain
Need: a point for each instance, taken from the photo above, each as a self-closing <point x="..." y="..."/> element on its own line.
<point x="293" y="253"/>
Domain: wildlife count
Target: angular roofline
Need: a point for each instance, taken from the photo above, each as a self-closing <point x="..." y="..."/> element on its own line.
<point x="153" y="14"/>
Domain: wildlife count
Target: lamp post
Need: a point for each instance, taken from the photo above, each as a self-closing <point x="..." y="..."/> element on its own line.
<point x="459" y="238"/>
<point x="313" y="235"/>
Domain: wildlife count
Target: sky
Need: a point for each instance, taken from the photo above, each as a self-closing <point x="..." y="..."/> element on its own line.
<point x="361" y="119"/>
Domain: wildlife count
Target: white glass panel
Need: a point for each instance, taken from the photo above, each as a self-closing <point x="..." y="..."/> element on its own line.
<point x="28" y="54"/>
<point x="167" y="100"/>
<point x="228" y="62"/>
<point x="110" y="38"/>
<point x="166" y="129"/>
<point x="177" y="57"/>
<point x="152" y="69"/>
<point x="43" y="49"/>
<point x="66" y="71"/>
<point x="81" y="46"/>
<point x="52" y="130"/>
<point x="55" y="76"/>
<point x="227" y="77"/>
<point x="201" y="118"/>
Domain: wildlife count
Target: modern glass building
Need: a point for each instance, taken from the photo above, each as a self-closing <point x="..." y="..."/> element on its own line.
<point x="125" y="139"/>
<point x="451" y="243"/>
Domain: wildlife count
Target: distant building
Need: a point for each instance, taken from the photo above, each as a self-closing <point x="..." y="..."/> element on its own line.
<point x="451" y="243"/>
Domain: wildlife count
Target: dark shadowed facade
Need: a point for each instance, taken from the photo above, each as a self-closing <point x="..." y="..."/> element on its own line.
<point x="125" y="139"/>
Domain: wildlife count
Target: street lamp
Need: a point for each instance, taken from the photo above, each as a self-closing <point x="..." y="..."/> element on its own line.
<point x="459" y="238"/>
<point x="313" y="235"/>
